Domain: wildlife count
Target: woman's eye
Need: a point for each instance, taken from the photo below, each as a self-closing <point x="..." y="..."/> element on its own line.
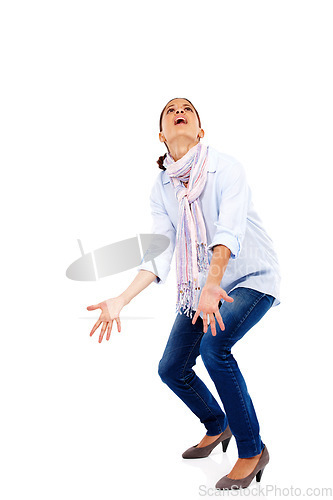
<point x="172" y="109"/>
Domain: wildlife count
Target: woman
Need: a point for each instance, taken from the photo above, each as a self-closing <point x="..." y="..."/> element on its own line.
<point x="226" y="268"/>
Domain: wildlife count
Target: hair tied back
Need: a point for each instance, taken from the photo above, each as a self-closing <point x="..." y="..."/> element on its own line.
<point x="160" y="161"/>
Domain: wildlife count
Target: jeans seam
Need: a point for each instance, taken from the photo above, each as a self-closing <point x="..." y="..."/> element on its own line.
<point x="242" y="400"/>
<point x="232" y="373"/>
<point x="195" y="392"/>
<point x="247" y="313"/>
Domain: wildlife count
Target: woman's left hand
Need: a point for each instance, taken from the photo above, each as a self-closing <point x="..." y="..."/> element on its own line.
<point x="209" y="304"/>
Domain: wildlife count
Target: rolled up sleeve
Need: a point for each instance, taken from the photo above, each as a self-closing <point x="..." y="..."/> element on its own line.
<point x="161" y="225"/>
<point x="233" y="209"/>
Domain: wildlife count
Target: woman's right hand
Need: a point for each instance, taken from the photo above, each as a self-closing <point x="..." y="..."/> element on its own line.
<point x="110" y="312"/>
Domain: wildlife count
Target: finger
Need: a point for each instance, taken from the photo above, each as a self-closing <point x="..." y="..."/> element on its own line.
<point x="219" y="320"/>
<point x="212" y="324"/>
<point x="227" y="297"/>
<point x="93" y="307"/>
<point x="205" y="322"/>
<point x="118" y="324"/>
<point x="96" y="325"/>
<point x="109" y="330"/>
<point x="102" y="332"/>
<point x="195" y="317"/>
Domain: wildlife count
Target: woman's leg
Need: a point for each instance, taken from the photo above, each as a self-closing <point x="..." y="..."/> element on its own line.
<point x="175" y="370"/>
<point x="239" y="316"/>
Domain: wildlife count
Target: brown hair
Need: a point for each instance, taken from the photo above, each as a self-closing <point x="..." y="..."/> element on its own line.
<point x="161" y="158"/>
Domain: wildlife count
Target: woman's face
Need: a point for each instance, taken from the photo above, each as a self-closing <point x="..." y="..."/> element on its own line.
<point x="180" y="119"/>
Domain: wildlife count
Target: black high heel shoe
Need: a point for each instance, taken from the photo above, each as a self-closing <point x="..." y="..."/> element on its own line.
<point x="204" y="451"/>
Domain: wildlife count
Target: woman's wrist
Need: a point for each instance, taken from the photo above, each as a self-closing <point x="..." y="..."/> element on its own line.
<point x="125" y="298"/>
<point x="209" y="286"/>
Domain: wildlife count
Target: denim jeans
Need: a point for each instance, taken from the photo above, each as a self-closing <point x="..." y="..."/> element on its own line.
<point x="187" y="341"/>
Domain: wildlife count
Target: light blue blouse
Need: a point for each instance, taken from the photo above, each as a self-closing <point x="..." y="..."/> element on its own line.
<point x="230" y="219"/>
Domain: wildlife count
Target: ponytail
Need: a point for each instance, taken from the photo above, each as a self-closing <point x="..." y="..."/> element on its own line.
<point x="160" y="161"/>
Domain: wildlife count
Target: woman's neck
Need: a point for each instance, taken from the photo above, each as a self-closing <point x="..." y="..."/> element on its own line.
<point x="180" y="148"/>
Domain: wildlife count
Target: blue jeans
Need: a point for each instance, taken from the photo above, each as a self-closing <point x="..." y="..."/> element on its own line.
<point x="187" y="341"/>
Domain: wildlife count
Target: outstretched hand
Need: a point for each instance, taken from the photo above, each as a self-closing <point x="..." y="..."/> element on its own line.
<point x="110" y="312"/>
<point x="209" y="304"/>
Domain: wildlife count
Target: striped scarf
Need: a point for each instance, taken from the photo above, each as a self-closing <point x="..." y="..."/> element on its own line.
<point x="191" y="239"/>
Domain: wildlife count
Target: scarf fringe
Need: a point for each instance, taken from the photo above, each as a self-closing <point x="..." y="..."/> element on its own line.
<point x="187" y="297"/>
<point x="203" y="264"/>
<point x="188" y="293"/>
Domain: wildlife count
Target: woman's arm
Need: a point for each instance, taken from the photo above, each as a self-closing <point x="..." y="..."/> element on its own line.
<point x="235" y="197"/>
<point x="161" y="224"/>
<point x="218" y="265"/>
<point x="212" y="293"/>
<point x="227" y="242"/>
<point x="140" y="282"/>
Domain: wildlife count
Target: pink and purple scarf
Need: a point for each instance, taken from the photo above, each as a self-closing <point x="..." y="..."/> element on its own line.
<point x="191" y="239"/>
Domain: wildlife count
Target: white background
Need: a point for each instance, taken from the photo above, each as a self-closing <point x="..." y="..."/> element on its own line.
<point x="82" y="88"/>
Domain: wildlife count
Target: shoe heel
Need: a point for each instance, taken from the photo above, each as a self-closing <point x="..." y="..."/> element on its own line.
<point x="225" y="444"/>
<point x="259" y="474"/>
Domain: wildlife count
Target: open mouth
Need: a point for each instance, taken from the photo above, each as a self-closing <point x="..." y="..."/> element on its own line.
<point x="180" y="120"/>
